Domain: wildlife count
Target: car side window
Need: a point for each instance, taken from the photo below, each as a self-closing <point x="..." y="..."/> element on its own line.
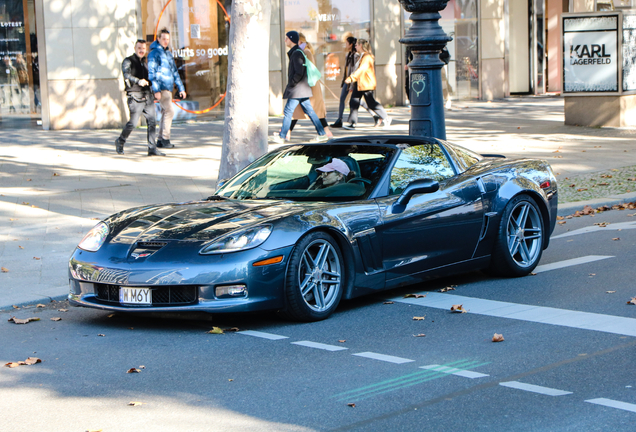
<point x="417" y="162"/>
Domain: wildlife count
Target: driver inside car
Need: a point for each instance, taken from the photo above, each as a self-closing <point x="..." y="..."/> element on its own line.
<point x="333" y="173"/>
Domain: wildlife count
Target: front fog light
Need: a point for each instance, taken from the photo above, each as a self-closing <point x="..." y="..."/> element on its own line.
<point x="231" y="291"/>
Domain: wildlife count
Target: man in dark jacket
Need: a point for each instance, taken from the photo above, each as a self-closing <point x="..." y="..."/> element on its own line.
<point x="140" y="98"/>
<point x="297" y="91"/>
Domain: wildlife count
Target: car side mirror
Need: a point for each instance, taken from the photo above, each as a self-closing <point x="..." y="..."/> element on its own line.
<point x="418" y="186"/>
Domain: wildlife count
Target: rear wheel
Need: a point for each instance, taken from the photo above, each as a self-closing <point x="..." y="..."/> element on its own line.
<point x="315" y="278"/>
<point x="519" y="243"/>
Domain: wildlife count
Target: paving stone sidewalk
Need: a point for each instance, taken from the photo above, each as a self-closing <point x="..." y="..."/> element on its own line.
<point x="55" y="185"/>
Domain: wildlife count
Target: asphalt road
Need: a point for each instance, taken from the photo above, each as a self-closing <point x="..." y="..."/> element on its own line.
<point x="566" y="363"/>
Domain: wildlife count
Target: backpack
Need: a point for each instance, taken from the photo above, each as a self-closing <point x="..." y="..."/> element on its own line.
<point x="313" y="74"/>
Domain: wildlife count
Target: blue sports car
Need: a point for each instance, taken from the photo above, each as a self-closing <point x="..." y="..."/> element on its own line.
<point x="308" y="225"/>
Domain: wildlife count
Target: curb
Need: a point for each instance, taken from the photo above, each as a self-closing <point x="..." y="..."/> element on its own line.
<point x="47" y="299"/>
<point x="569" y="208"/>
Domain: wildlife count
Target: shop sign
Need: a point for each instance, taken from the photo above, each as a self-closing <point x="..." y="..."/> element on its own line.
<point x="590" y="54"/>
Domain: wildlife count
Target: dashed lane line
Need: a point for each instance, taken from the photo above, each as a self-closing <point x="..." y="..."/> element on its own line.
<point x="263" y="335"/>
<point x="539" y="314"/>
<point x="382" y="357"/>
<point x="455" y="371"/>
<point x="534" y="388"/>
<point x="596" y="228"/>
<point x="613" y="404"/>
<point x="319" y="346"/>
<point x="570" y="262"/>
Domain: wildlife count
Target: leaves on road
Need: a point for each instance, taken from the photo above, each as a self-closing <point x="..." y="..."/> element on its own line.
<point x="101" y="334"/>
<point x="135" y="403"/>
<point x="616" y="238"/>
<point x="23" y="321"/>
<point x="56" y="319"/>
<point x="28" y="362"/>
<point x="498" y="338"/>
<point x="352" y="405"/>
<point x="40" y="305"/>
<point x="4" y="270"/>
<point x="342" y="340"/>
<point x="216" y="330"/>
<point x="610" y="292"/>
<point x="419" y="335"/>
<point x="419" y="318"/>
<point x="448" y="288"/>
<point x="601" y="224"/>
<point x="414" y="295"/>
<point x="133" y="370"/>
<point x="458" y="309"/>
<point x="62" y="310"/>
<point x="388" y="302"/>
<point x="632" y="301"/>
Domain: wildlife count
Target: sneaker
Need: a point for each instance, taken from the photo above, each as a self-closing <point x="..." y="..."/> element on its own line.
<point x="319" y="139"/>
<point x="164" y="143"/>
<point x="337" y="124"/>
<point x="154" y="152"/>
<point x="448" y="104"/>
<point x="276" y="139"/>
<point x="377" y="121"/>
<point x="350" y="126"/>
<point x="119" y="146"/>
<point x="387" y="122"/>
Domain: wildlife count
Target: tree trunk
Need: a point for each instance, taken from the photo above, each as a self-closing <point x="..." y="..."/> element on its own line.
<point x="247" y="97"/>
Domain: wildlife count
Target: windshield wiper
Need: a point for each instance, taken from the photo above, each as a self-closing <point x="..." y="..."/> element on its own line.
<point x="216" y="198"/>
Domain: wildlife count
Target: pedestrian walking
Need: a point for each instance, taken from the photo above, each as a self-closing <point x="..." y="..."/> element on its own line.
<point x="9" y="83"/>
<point x="164" y="75"/>
<point x="23" y="79"/>
<point x="140" y="98"/>
<point x="316" y="100"/>
<point x="364" y="82"/>
<point x="297" y="91"/>
<point x="350" y="61"/>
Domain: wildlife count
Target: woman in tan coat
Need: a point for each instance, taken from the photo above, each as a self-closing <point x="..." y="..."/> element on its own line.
<point x="364" y="83"/>
<point x="317" y="101"/>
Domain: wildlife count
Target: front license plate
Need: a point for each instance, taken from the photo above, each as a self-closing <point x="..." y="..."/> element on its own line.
<point x="137" y="296"/>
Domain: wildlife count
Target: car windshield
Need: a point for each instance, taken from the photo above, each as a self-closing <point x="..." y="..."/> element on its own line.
<point x="312" y="173"/>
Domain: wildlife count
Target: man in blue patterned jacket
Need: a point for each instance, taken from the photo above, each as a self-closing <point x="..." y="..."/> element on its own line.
<point x="163" y="76"/>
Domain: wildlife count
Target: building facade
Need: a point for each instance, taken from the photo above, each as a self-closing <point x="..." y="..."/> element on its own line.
<point x="62" y="58"/>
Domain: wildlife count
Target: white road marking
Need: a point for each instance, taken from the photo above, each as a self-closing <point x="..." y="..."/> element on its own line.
<point x="570" y="262"/>
<point x="613" y="404"/>
<point x="382" y="357"/>
<point x="539" y="314"/>
<point x="455" y="371"/>
<point x="534" y="388"/>
<point x="320" y="346"/>
<point x="263" y="335"/>
<point x="596" y="228"/>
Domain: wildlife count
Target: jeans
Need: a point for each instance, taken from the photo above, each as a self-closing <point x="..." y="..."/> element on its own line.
<point x="136" y="109"/>
<point x="373" y="104"/>
<point x="290" y="106"/>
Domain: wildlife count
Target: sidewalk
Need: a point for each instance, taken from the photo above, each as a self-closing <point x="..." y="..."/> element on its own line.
<point x="55" y="185"/>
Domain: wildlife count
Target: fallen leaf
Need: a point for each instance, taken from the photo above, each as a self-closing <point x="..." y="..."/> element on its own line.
<point x="40" y="305"/>
<point x="62" y="310"/>
<point x="133" y="370"/>
<point x="352" y="405"/>
<point x="135" y="403"/>
<point x="448" y="288"/>
<point x="581" y="189"/>
<point x="414" y="295"/>
<point x="21" y="247"/>
<point x="610" y="292"/>
<point x="562" y="222"/>
<point x="16" y="307"/>
<point x="458" y="309"/>
<point x="632" y="301"/>
<point x="95" y="219"/>
<point x="110" y="316"/>
<point x="142" y="367"/>
<point x="4" y="270"/>
<point x="34" y="206"/>
<point x="419" y="335"/>
<point x="388" y="302"/>
<point x="592" y="274"/>
<point x="616" y="238"/>
<point x="25" y="203"/>
<point x="23" y="321"/>
<point x="232" y="329"/>
<point x="28" y="179"/>
<point x="602" y="224"/>
<point x="101" y="334"/>
<point x="606" y="176"/>
<point x="342" y="340"/>
<point x="497" y="338"/>
<point x="55" y="175"/>
<point x="216" y="330"/>
<point x="230" y="380"/>
<point x="419" y="318"/>
<point x="12" y="364"/>
<point x="56" y="319"/>
<point x="560" y="218"/>
<point x="36" y="258"/>
<point x="32" y="360"/>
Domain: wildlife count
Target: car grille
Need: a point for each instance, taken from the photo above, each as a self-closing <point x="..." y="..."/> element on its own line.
<point x="161" y="296"/>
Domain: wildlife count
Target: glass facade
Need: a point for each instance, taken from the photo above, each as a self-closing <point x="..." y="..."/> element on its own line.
<point x="325" y="24"/>
<point x="19" y="70"/>
<point x="199" y="35"/>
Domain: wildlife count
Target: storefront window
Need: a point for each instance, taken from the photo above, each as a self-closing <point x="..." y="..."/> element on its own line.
<point x="199" y="35"/>
<point x="326" y="24"/>
<point x="19" y="71"/>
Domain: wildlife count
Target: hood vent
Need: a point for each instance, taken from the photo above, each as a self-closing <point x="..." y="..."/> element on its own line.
<point x="150" y="245"/>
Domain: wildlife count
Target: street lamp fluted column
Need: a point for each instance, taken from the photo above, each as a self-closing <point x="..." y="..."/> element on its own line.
<point x="426" y="39"/>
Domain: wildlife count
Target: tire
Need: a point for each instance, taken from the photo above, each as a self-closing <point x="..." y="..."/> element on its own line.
<point x="315" y="278"/>
<point x="519" y="243"/>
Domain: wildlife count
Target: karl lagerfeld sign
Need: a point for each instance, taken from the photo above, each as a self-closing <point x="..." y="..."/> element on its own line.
<point x="590" y="54"/>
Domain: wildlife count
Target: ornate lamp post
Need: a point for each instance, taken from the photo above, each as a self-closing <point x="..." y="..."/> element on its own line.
<point x="426" y="39"/>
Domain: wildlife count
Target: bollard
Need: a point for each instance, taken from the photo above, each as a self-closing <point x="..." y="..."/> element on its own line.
<point x="426" y="39"/>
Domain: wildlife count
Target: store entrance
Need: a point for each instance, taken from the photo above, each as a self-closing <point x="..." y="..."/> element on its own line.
<point x="20" y="105"/>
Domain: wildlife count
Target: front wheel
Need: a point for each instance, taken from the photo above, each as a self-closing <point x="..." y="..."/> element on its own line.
<point x="315" y="278"/>
<point x="519" y="241"/>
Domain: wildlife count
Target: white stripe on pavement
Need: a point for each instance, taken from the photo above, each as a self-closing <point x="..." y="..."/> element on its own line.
<point x="319" y="346"/>
<point x="613" y="404"/>
<point x="570" y="262"/>
<point x="534" y="388"/>
<point x="539" y="314"/>
<point x="263" y="335"/>
<point x="596" y="228"/>
<point x="455" y="371"/>
<point x="382" y="357"/>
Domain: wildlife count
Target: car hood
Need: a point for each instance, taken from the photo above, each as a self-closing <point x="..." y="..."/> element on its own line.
<point x="199" y="221"/>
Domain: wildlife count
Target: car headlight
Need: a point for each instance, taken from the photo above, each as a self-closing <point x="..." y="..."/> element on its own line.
<point x="238" y="240"/>
<point x="95" y="238"/>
